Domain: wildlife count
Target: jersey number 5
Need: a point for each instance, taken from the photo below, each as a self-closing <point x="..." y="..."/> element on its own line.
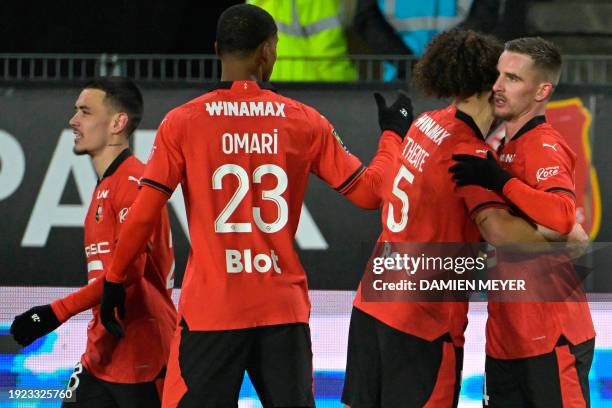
<point x="392" y="224"/>
<point x="274" y="195"/>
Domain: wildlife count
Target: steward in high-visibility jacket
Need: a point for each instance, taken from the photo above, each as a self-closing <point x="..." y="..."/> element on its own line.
<point x="312" y="45"/>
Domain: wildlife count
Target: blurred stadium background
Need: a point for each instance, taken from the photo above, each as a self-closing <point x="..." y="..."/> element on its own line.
<point x="49" y="50"/>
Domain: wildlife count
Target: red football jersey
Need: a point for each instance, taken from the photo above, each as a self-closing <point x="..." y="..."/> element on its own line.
<point x="538" y="156"/>
<point x="243" y="155"/>
<point x="150" y="317"/>
<point x="422" y="204"/>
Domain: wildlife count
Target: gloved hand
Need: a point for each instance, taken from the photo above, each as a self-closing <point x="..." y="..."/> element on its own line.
<point x="397" y="117"/>
<point x="33" y="324"/>
<point x="113" y="298"/>
<point x="474" y="170"/>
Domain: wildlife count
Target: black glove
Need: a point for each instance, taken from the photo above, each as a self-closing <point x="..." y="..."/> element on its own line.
<point x="33" y="324"/>
<point x="474" y="170"/>
<point x="397" y="117"/>
<point x="113" y="298"/>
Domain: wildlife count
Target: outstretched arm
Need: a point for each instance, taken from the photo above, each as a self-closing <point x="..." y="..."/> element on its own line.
<point x="365" y="192"/>
<point x="132" y="239"/>
<point x="394" y="122"/>
<point x="42" y="320"/>
<point x="136" y="230"/>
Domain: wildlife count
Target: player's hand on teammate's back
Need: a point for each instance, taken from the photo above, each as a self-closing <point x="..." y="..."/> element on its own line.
<point x="397" y="117"/>
<point x="33" y="324"/>
<point x="113" y="298"/>
<point x="474" y="170"/>
<point x="577" y="242"/>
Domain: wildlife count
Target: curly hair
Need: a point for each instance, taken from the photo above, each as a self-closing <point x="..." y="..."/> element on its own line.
<point x="458" y="63"/>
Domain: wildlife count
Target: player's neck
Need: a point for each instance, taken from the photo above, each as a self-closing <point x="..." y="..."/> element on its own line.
<point x="102" y="159"/>
<point x="239" y="71"/>
<point x="515" y="124"/>
<point x="479" y="108"/>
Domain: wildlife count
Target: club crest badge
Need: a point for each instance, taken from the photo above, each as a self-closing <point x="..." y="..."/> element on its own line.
<point x="99" y="213"/>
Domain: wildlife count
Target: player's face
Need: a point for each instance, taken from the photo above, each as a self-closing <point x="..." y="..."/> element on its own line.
<point x="91" y="122"/>
<point x="516" y="87"/>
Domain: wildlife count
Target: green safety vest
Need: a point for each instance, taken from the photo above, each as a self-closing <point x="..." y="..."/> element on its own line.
<point x="311" y="41"/>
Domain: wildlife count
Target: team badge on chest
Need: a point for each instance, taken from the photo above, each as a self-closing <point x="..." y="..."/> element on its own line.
<point x="99" y="213"/>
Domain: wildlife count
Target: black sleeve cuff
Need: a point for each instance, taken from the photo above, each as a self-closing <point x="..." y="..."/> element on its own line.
<point x="348" y="183"/>
<point x="157" y="186"/>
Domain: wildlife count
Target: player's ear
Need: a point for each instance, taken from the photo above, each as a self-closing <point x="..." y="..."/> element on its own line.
<point x="266" y="57"/>
<point x="268" y="50"/>
<point x="264" y="53"/>
<point x="119" y="123"/>
<point x="545" y="90"/>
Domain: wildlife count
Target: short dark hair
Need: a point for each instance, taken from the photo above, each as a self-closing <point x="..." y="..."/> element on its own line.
<point x="242" y="28"/>
<point x="123" y="95"/>
<point x="458" y="63"/>
<point x="546" y="56"/>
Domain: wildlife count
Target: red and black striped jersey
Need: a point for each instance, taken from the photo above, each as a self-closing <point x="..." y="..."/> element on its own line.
<point x="243" y="155"/>
<point x="541" y="162"/>
<point x="421" y="204"/>
<point x="150" y="313"/>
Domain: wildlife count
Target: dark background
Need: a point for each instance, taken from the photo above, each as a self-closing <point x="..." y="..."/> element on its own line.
<point x="112" y="26"/>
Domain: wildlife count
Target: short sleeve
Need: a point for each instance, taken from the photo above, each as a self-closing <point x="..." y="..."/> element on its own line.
<point x="477" y="198"/>
<point x="166" y="162"/>
<point x="332" y="161"/>
<point x="550" y="166"/>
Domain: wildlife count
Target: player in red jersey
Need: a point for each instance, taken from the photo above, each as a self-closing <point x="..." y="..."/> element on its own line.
<point x="539" y="353"/>
<point x="243" y="155"/>
<point x="114" y="372"/>
<point x="409" y="354"/>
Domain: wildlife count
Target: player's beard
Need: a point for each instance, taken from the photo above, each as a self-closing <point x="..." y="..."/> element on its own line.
<point x="79" y="152"/>
<point x="505" y="116"/>
<point x="502" y="115"/>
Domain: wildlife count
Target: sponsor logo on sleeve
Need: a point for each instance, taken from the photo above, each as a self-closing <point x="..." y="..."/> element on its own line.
<point x="97" y="248"/>
<point x="152" y="152"/>
<point x="123" y="214"/>
<point x="339" y="139"/>
<point x="551" y="146"/>
<point x="132" y="178"/>
<point x="544" y="173"/>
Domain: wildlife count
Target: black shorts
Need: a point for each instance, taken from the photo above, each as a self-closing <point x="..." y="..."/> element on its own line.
<point x="553" y="380"/>
<point x="91" y="392"/>
<point x="211" y="366"/>
<point x="389" y="368"/>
